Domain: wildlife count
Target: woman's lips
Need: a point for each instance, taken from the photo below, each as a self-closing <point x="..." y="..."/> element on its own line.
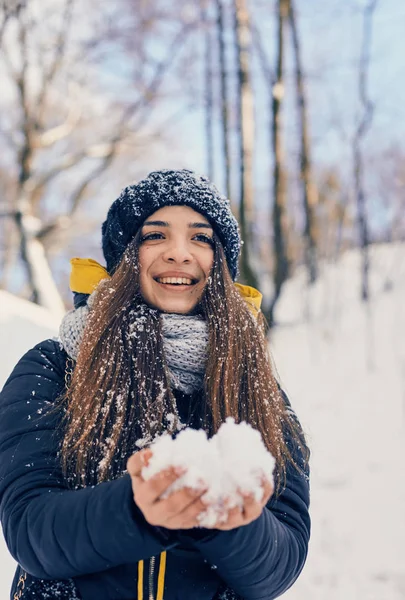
<point x="175" y="287"/>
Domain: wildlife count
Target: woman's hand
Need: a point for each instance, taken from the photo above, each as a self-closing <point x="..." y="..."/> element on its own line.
<point x="250" y="511"/>
<point x="178" y="511"/>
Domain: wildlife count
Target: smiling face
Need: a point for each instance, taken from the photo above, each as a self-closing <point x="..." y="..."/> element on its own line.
<point x="175" y="257"/>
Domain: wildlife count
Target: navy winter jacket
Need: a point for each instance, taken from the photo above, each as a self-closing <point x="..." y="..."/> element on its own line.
<point x="98" y="537"/>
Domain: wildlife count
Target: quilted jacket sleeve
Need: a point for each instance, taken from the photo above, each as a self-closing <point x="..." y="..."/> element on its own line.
<point x="51" y="531"/>
<point x="260" y="561"/>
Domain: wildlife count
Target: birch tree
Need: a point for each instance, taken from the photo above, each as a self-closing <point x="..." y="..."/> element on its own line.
<point x="245" y="110"/>
<point x="279" y="214"/>
<point x="309" y="191"/>
<point x="208" y="88"/>
<point x="224" y="100"/>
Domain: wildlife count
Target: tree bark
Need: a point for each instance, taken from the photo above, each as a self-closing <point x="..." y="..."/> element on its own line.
<point x="309" y="192"/>
<point x="246" y="140"/>
<point x="279" y="220"/>
<point x="44" y="290"/>
<point x="223" y="86"/>
<point x="42" y="284"/>
<point x="208" y="91"/>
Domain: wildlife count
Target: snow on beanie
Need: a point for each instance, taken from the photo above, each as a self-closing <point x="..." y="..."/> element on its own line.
<point x="169" y="188"/>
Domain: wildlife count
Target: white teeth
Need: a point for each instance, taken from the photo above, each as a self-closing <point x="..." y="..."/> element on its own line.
<point x="183" y="280"/>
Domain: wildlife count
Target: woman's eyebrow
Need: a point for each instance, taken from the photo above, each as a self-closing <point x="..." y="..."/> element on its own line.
<point x="156" y="223"/>
<point x="200" y="225"/>
<point x="166" y="224"/>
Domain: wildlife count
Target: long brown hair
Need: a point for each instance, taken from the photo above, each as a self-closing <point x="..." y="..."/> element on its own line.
<point x="119" y="397"/>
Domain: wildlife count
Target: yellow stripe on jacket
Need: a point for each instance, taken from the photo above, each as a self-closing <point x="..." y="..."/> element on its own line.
<point x="161" y="576"/>
<point x="140" y="580"/>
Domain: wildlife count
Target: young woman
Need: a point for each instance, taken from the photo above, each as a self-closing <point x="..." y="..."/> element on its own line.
<point x="161" y="338"/>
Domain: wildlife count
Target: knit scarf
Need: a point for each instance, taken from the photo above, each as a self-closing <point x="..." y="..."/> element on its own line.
<point x="185" y="342"/>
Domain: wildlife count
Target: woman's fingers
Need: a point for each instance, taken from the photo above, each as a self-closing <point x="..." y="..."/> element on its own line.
<point x="251" y="509"/>
<point x="179" y="501"/>
<point x="150" y="491"/>
<point x="178" y="511"/>
<point x="193" y="506"/>
<point x="146" y="493"/>
<point x="138" y="461"/>
<point x="181" y="509"/>
<point x="234" y="519"/>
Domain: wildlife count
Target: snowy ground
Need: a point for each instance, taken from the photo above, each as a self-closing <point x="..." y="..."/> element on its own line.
<point x="344" y="370"/>
<point x="22" y="325"/>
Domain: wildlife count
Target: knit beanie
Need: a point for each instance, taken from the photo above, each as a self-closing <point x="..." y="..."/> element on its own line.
<point x="168" y="188"/>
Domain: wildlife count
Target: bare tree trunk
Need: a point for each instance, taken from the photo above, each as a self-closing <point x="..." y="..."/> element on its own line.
<point x="310" y="196"/>
<point x="9" y="239"/>
<point x="360" y="133"/>
<point x="279" y="221"/>
<point x="44" y="290"/>
<point x="223" y="85"/>
<point x="208" y="92"/>
<point x="246" y="139"/>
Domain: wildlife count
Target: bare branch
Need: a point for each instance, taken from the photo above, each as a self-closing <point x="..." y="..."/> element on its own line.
<point x="49" y="75"/>
<point x="64" y="221"/>
<point x="50" y="137"/>
<point x="9" y="10"/>
<point x="35" y="188"/>
<point x="97" y="151"/>
<point x="78" y="195"/>
<point x="143" y="107"/>
<point x="13" y="72"/>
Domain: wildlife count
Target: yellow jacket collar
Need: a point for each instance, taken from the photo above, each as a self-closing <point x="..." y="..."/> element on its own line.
<point x="87" y="273"/>
<point x="251" y="296"/>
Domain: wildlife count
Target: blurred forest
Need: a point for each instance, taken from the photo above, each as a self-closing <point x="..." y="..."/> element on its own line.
<point x="294" y="108"/>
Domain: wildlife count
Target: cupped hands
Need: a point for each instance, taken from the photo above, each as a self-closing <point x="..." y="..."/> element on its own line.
<point x="181" y="509"/>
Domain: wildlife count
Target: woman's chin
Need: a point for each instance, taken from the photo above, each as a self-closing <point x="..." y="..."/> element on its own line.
<point x="180" y="308"/>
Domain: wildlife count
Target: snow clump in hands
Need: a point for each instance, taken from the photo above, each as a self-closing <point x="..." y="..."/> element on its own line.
<point x="233" y="462"/>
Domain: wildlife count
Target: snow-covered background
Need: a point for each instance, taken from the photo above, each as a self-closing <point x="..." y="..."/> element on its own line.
<point x="343" y="367"/>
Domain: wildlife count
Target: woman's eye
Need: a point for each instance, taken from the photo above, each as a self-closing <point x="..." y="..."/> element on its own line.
<point x="201" y="237"/>
<point x="156" y="235"/>
<point x="151" y="236"/>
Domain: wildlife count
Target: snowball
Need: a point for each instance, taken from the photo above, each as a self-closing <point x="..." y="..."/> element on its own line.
<point x="233" y="462"/>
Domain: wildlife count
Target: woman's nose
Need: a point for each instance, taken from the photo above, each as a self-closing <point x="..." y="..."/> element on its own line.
<point x="178" y="253"/>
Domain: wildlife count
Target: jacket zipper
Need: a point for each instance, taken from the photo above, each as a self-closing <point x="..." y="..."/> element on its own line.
<point x="151" y="570"/>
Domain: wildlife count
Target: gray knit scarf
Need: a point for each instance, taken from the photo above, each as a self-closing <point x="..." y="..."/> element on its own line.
<point x="185" y="342"/>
